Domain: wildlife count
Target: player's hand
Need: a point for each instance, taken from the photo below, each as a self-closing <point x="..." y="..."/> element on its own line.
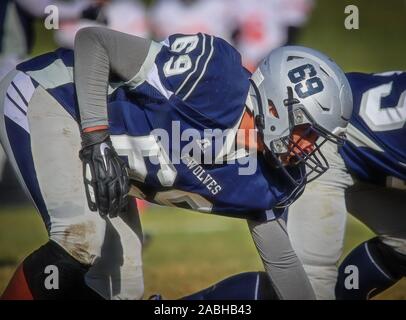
<point x="105" y="174"/>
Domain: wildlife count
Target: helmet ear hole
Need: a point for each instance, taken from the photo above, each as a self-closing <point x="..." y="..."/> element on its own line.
<point x="259" y="121"/>
<point x="272" y="109"/>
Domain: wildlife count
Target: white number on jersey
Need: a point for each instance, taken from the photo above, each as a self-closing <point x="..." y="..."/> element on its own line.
<point x="182" y="63"/>
<point x="137" y="149"/>
<point x="382" y="119"/>
<point x="172" y="197"/>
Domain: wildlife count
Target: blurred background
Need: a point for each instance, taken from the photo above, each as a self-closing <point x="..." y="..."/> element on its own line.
<point x="188" y="251"/>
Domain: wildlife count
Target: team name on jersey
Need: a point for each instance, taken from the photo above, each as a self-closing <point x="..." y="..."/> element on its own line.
<point x="201" y="174"/>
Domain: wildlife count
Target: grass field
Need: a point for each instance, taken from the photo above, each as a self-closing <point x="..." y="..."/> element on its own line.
<point x="188" y="251"/>
<point x="191" y="251"/>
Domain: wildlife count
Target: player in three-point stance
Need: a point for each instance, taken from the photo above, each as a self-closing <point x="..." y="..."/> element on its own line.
<point x="108" y="100"/>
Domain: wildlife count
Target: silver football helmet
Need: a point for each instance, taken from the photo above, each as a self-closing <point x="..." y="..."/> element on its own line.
<point x="295" y="86"/>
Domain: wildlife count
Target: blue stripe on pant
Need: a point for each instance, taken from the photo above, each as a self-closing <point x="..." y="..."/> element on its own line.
<point x="21" y="146"/>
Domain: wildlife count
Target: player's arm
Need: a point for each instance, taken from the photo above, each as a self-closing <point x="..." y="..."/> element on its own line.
<point x="281" y="263"/>
<point x="98" y="53"/>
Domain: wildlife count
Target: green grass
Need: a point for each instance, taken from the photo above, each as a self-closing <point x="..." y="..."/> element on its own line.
<point x="21" y="231"/>
<point x="188" y="251"/>
<point x="379" y="43"/>
<point x="194" y="250"/>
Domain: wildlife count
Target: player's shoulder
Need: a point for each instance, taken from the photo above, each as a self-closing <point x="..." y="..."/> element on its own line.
<point x="377" y="125"/>
<point x="61" y="57"/>
<point x="376" y="95"/>
<point x="188" y="60"/>
<point x="361" y="82"/>
<point x="205" y="76"/>
<point x="376" y="75"/>
<point x="195" y="39"/>
<point x="52" y="70"/>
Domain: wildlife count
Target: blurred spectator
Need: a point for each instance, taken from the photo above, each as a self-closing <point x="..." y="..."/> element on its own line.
<point x="191" y="16"/>
<point x="16" y="41"/>
<point x="267" y="24"/>
<point x="295" y="14"/>
<point x="17" y="25"/>
<point x="127" y="16"/>
<point x="254" y="27"/>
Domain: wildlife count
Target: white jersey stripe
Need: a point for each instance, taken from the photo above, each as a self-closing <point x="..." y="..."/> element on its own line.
<point x="16" y="115"/>
<point x="373" y="261"/>
<point x="256" y="288"/>
<point x="24" y="86"/>
<point x="196" y="65"/>
<point x="15" y="109"/>
<point x="14" y="95"/>
<point x="359" y="139"/>
<point x="15" y="103"/>
<point x="203" y="71"/>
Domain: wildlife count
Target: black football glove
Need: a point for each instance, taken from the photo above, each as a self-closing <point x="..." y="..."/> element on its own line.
<point x="105" y="174"/>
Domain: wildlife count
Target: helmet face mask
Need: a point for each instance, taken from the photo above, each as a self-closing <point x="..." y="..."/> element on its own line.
<point x="286" y="147"/>
<point x="306" y="89"/>
<point x="314" y="161"/>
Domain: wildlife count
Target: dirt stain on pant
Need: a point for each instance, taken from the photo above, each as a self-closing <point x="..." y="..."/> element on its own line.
<point x="81" y="242"/>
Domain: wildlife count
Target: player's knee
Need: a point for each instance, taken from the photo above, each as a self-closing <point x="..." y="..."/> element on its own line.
<point x="323" y="259"/>
<point x="321" y="271"/>
<point x="371" y="268"/>
<point x="390" y="252"/>
<point x="323" y="280"/>
<point x="397" y="244"/>
<point x="82" y="239"/>
<point x="131" y="280"/>
<point x="134" y="290"/>
<point x="51" y="273"/>
<point x="122" y="284"/>
<point x="118" y="273"/>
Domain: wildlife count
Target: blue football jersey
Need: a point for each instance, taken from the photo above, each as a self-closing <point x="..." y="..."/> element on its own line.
<point x="184" y="105"/>
<point x="376" y="147"/>
<point x="196" y="83"/>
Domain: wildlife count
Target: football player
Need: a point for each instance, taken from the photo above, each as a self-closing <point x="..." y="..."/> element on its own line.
<point x="367" y="177"/>
<point x="146" y="112"/>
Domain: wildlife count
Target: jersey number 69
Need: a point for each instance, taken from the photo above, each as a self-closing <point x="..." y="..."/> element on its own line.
<point x="181" y="63"/>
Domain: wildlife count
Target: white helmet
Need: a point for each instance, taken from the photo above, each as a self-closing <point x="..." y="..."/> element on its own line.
<point x="305" y="87"/>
